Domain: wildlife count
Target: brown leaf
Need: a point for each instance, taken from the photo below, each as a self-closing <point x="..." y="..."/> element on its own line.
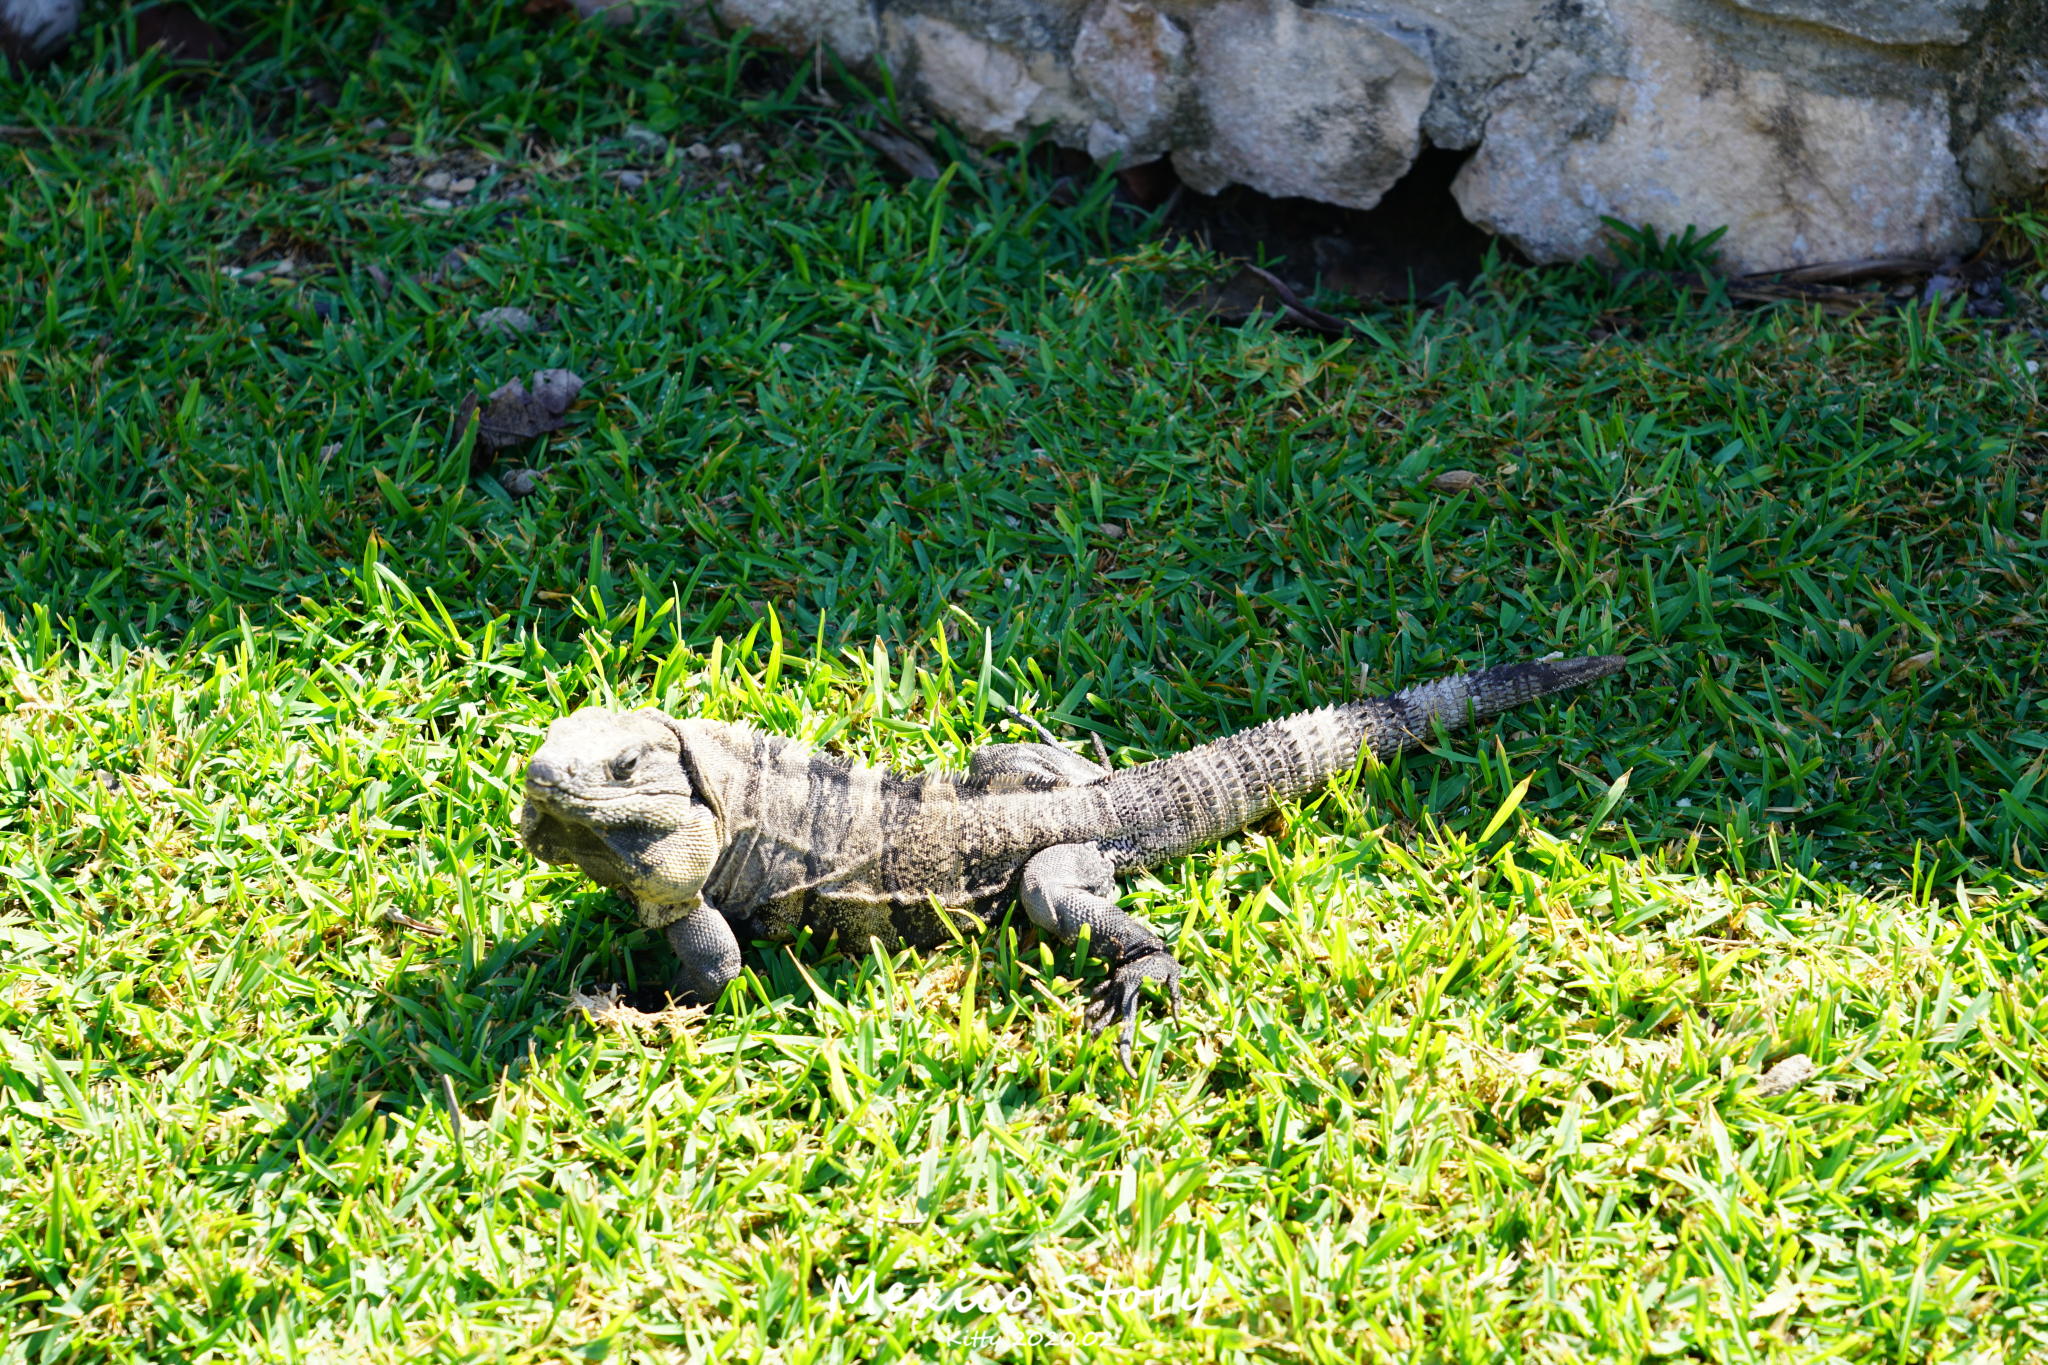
<point x="513" y="415"/>
<point x="431" y="928"/>
<point x="464" y="410"/>
<point x="1612" y="324"/>
<point x="506" y="322"/>
<point x="555" y="390"/>
<point x="450" y="265"/>
<point x="1906" y="668"/>
<point x="520" y="483"/>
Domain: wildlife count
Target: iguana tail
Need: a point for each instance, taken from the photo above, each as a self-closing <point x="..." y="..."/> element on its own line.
<point x="1174" y="806"/>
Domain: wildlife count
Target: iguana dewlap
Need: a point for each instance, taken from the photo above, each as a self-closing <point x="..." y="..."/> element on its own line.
<point x="720" y="833"/>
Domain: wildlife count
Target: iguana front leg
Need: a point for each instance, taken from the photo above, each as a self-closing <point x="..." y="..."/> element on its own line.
<point x="1069" y="885"/>
<point x="708" y="951"/>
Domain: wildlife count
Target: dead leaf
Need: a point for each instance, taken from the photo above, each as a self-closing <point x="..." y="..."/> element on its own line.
<point x="450" y="265"/>
<point x="1455" y="481"/>
<point x="520" y="483"/>
<point x="555" y="390"/>
<point x="1907" y="667"/>
<point x="506" y="322"/>
<point x="512" y="415"/>
<point x="607" y="1006"/>
<point x="1612" y="324"/>
<point x="905" y="153"/>
<point x="418" y="926"/>
<point x="1943" y="282"/>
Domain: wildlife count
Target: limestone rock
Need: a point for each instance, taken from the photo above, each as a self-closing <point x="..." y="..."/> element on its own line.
<point x="1685" y="129"/>
<point x="1474" y="45"/>
<point x="31" y="30"/>
<point x="2010" y="155"/>
<point x="1811" y="129"/>
<point x="987" y="90"/>
<point x="1324" y="103"/>
<point x="847" y="27"/>
<point x="1133" y="61"/>
<point x="1902" y="22"/>
<point x="995" y="87"/>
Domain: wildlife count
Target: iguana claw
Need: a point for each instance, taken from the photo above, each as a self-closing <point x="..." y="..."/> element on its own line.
<point x="1120" y="994"/>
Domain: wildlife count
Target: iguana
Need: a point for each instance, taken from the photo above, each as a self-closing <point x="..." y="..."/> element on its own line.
<point x="720" y="833"/>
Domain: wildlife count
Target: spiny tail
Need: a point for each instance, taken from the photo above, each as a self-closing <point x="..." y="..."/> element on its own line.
<point x="1174" y="806"/>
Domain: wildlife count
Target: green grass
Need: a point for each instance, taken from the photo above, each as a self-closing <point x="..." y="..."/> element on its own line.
<point x="291" y="1062"/>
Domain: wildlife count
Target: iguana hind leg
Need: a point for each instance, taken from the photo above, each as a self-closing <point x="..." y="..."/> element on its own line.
<point x="1033" y="760"/>
<point x="1069" y="885"/>
<point x="708" y="951"/>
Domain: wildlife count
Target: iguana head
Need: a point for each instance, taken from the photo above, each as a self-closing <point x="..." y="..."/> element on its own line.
<point x="610" y="792"/>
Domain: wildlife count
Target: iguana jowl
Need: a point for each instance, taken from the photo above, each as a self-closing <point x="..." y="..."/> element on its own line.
<point x="719" y="832"/>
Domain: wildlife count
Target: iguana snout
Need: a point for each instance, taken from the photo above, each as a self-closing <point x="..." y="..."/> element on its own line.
<point x="608" y="792"/>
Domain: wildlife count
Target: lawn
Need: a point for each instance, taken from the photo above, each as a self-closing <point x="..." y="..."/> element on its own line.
<point x="305" y="1059"/>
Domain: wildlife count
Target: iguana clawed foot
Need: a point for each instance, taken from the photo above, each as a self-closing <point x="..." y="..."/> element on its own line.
<point x="1071" y="887"/>
<point x="707" y="955"/>
<point x="1118" y="997"/>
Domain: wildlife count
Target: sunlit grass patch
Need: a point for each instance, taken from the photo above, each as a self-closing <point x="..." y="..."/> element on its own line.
<point x="1447" y="1094"/>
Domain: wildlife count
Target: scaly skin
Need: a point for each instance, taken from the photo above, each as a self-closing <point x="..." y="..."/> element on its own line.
<point x="715" y="830"/>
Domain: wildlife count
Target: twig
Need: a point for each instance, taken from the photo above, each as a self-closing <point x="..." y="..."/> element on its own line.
<point x="1029" y="723"/>
<point x="1048" y="737"/>
<point x="1297" y="311"/>
<point x="24" y="133"/>
<point x="1845" y="272"/>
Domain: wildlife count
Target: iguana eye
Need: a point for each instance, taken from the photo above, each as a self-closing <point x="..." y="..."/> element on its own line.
<point x="624" y="765"/>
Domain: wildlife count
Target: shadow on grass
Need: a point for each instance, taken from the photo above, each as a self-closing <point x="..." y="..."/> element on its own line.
<point x="460" y="1026"/>
<point x="459" y="1017"/>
